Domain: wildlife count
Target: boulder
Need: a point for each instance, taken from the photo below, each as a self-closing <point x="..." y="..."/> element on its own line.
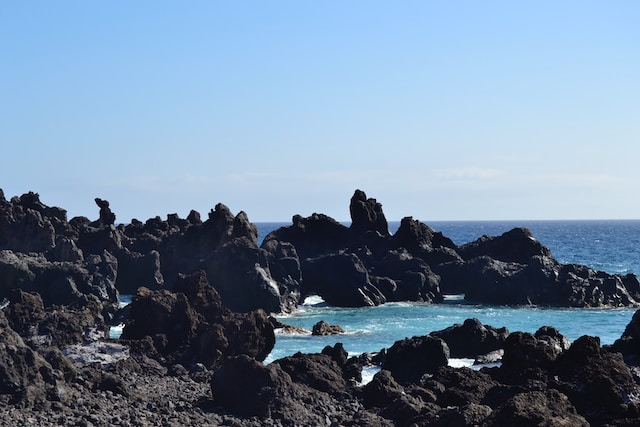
<point x="58" y="326"/>
<point x="412" y="278"/>
<point x="341" y="279"/>
<point x="318" y="371"/>
<point x="138" y="270"/>
<point x="166" y="316"/>
<point x="585" y="287"/>
<point x="246" y="387"/>
<point x="410" y="359"/>
<point x="382" y="390"/>
<point x="324" y="328"/>
<point x="526" y="358"/>
<point x="629" y="342"/>
<point x="239" y="270"/>
<point x="537" y="408"/>
<point x="598" y="383"/>
<point x="460" y="386"/>
<point x="472" y="414"/>
<point x="420" y="239"/>
<point x="193" y="326"/>
<point x="60" y="283"/>
<point x="24" y="374"/>
<point x="284" y="266"/>
<point x="93" y="240"/>
<point x="554" y="338"/>
<point x="397" y="403"/>
<point x="472" y="338"/>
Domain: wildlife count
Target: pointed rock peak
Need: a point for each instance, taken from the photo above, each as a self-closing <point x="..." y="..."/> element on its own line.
<point x="242" y="227"/>
<point x="194" y="217"/>
<point x="107" y="217"/>
<point x="367" y="214"/>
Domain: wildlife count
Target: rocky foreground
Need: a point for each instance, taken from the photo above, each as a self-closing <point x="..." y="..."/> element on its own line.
<point x="198" y="330"/>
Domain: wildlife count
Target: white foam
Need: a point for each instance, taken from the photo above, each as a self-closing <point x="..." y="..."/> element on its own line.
<point x="461" y="363"/>
<point x="313" y="300"/>
<point x="368" y="372"/>
<point x="116" y="331"/>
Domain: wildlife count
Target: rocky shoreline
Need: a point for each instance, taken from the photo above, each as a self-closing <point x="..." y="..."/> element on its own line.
<point x="198" y="328"/>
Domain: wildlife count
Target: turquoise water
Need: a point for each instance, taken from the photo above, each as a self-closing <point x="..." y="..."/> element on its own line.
<point x="612" y="246"/>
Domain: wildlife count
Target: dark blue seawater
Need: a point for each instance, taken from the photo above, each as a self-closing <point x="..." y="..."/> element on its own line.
<point x="612" y="246"/>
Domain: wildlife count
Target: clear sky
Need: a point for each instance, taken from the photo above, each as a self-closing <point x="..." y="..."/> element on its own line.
<point x="441" y="110"/>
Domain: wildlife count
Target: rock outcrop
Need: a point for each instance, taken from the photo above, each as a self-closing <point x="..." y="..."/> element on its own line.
<point x="359" y="265"/>
<point x="186" y="358"/>
<point x="419" y="264"/>
<point x="191" y="325"/>
<point x="472" y="338"/>
<point x="64" y="261"/>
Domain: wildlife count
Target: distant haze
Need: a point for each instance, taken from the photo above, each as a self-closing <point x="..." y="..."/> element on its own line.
<point x="439" y="110"/>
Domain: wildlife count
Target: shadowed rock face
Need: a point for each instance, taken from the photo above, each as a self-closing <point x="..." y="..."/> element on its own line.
<point x="65" y="261"/>
<point x="191" y="325"/>
<point x="38" y="245"/>
<point x="410" y="359"/>
<point x="367" y="215"/>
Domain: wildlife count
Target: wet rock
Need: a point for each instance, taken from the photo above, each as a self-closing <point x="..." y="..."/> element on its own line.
<point x="286" y="328"/>
<point x="324" y="328"/>
<point x="586" y="287"/>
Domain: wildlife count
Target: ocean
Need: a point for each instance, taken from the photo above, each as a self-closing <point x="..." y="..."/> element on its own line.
<point x="608" y="245"/>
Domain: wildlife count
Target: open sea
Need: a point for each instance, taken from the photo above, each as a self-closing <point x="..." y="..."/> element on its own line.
<point x="608" y="245"/>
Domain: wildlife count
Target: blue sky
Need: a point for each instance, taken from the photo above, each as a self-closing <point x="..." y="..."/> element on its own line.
<point x="440" y="110"/>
